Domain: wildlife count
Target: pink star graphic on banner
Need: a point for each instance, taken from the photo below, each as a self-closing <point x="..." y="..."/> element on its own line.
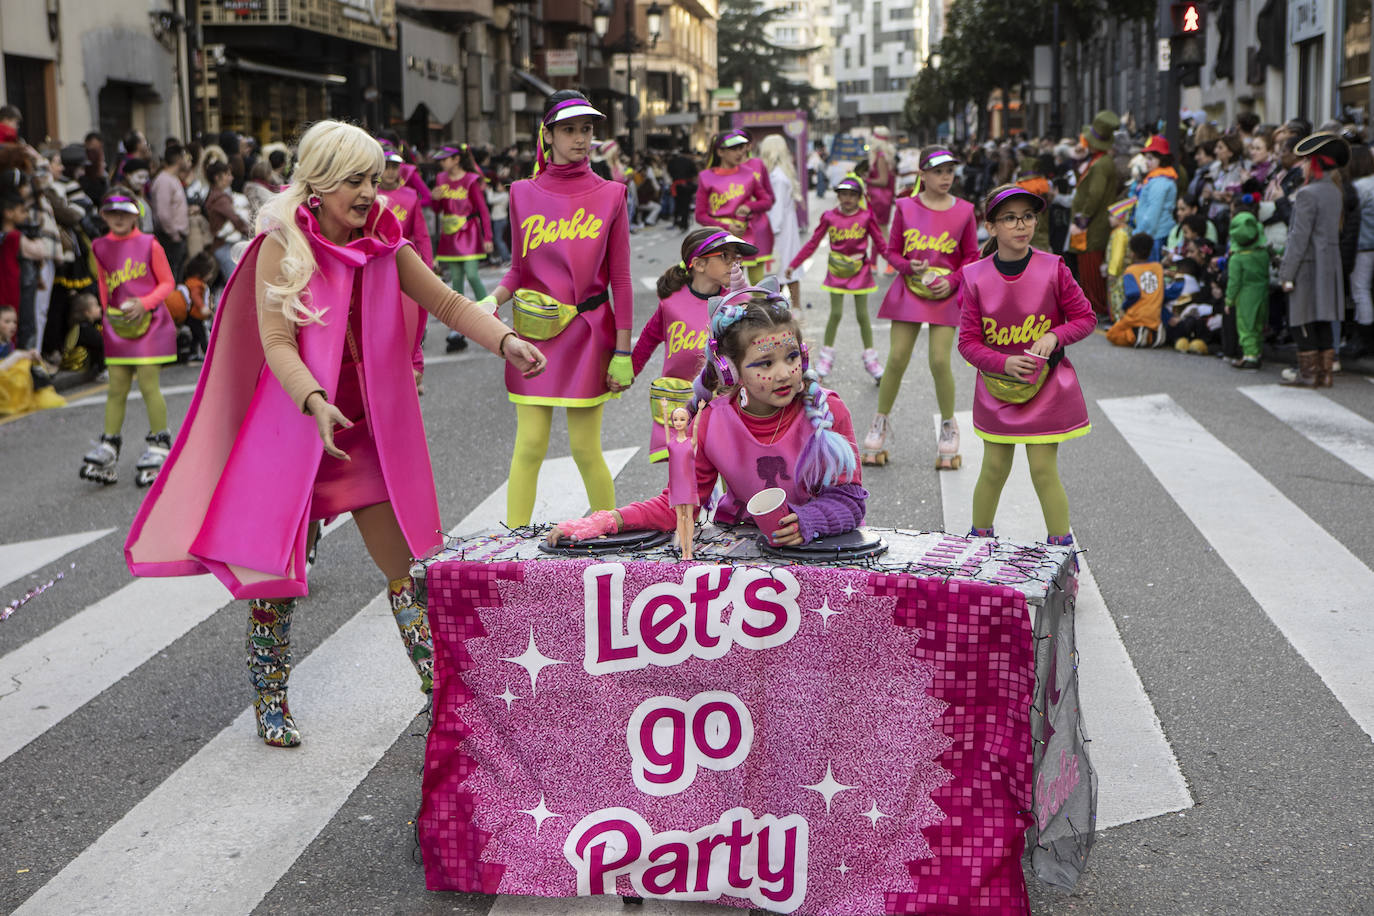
<point x="533" y="661"/>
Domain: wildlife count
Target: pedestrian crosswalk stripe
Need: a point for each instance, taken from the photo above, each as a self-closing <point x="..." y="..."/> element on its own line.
<point x="353" y="696"/>
<point x="19" y="559"/>
<point x="1323" y="422"/>
<point x="1321" y="604"/>
<point x="1138" y="775"/>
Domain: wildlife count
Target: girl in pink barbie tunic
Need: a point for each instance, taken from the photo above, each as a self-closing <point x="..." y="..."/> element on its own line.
<point x="405" y="203"/>
<point x="730" y="196"/>
<point x="682" y="484"/>
<point x="306" y="409"/>
<point x="760" y="226"/>
<point x="681" y="321"/>
<point x="767" y="423"/>
<point x="934" y="234"/>
<point x="850" y="228"/>
<point x="570" y="281"/>
<point x="133" y="280"/>
<point x="460" y="204"/>
<point x="1021" y="307"/>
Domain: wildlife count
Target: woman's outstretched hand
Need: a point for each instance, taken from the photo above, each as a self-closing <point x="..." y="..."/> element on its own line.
<point x="523" y="355"/>
<point x="327" y="416"/>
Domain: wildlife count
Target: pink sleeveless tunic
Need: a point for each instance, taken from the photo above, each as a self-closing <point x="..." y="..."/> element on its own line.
<point x="464" y="222"/>
<point x="759" y="225"/>
<point x="721" y="192"/>
<point x="945" y="238"/>
<point x="849" y="235"/>
<point x="128" y="266"/>
<point x="571" y="240"/>
<point x="1002" y="316"/>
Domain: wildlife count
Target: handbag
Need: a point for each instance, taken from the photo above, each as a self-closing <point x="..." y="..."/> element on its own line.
<point x="451" y="223"/>
<point x="539" y="316"/>
<point x="127" y="329"/>
<point x="843" y="266"/>
<point x="1013" y="390"/>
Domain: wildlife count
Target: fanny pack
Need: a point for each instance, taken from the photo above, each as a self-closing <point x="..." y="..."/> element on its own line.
<point x="129" y="330"/>
<point x="1014" y="390"/>
<point x="917" y="283"/>
<point x="451" y="223"/>
<point x="677" y="391"/>
<point x="539" y="316"/>
<point x="843" y="266"/>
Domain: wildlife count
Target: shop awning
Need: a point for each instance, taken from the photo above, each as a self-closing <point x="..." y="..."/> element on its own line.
<point x="248" y="66"/>
<point x="538" y="84"/>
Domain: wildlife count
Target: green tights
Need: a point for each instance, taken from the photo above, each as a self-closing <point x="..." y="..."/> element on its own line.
<point x="755" y="272"/>
<point x="459" y="270"/>
<point x="121" y="382"/>
<point x="1044" y="469"/>
<point x="532" y="425"/>
<point x="900" y="344"/>
<point x="860" y="312"/>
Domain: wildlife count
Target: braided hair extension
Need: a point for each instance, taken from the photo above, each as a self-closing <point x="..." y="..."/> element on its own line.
<point x="827" y="456"/>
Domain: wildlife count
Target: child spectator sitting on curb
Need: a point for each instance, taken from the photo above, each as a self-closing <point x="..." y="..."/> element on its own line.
<point x="24" y="381"/>
<point x="1142" y="287"/>
<point x="84" y="348"/>
<point x="1114" y="265"/>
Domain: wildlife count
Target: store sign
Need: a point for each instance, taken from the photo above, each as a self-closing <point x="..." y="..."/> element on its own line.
<point x="432" y="69"/>
<point x="362" y="11"/>
<point x="243" y="7"/>
<point x="1306" y="20"/>
<point x="724" y="99"/>
<point x="561" y="62"/>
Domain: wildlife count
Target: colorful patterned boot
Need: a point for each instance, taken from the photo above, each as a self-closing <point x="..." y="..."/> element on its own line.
<point x="408" y="602"/>
<point x="269" y="668"/>
<point x="1063" y="540"/>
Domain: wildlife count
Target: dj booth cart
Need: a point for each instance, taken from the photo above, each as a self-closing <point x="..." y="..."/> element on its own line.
<point x="882" y="727"/>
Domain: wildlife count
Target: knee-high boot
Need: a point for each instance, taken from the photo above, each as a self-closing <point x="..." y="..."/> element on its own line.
<point x="408" y="606"/>
<point x="269" y="668"/>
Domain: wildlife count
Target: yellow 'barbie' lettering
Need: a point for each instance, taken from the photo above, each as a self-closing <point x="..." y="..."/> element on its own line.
<point x="451" y="191"/>
<point x="131" y="270"/>
<point x="916" y="240"/>
<point x="1028" y="331"/>
<point x="539" y="230"/>
<point x="400" y="211"/>
<point x="856" y="231"/>
<point x="719" y="199"/>
<point x="679" y="338"/>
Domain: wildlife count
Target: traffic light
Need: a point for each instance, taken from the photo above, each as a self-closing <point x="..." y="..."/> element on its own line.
<point x="1187" y="18"/>
<point x="1188" y="44"/>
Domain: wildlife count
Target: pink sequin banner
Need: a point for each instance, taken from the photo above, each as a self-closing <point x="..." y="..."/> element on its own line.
<point x="797" y="739"/>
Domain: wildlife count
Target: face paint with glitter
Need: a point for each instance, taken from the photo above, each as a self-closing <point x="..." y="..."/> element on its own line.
<point x="772" y="370"/>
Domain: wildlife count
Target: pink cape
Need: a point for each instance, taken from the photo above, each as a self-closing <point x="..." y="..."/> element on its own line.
<point x="234" y="497"/>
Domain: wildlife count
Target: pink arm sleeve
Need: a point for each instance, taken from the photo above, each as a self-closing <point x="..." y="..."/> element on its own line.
<point x="893" y="253"/>
<point x="812" y="243"/>
<point x="649" y="339"/>
<point x="1079" y="320"/>
<point x="703" y="212"/>
<point x="419" y="234"/>
<point x="971" y="346"/>
<point x="876" y="234"/>
<point x="968" y="253"/>
<point x="622" y="287"/>
<point x="763" y="197"/>
<point x="478" y="197"/>
<point x="165" y="282"/>
<point x="511" y="281"/>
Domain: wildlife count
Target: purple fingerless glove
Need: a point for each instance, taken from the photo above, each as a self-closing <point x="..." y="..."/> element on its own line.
<point x="593" y="526"/>
<point x="834" y="510"/>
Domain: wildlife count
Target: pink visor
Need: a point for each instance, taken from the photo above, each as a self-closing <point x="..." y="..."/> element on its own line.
<point x="572" y="108"/>
<point x="1035" y="200"/>
<point x="120" y="205"/>
<point x="936" y="158"/>
<point x="719" y="240"/>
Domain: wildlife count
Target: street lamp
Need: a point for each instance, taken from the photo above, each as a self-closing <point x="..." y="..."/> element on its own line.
<point x="601" y="20"/>
<point x="654" y="19"/>
<point x="765" y="85"/>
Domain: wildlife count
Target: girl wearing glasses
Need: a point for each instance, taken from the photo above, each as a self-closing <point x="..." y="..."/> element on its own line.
<point x="709" y="265"/>
<point x="934" y="234"/>
<point x="1021" y="307"/>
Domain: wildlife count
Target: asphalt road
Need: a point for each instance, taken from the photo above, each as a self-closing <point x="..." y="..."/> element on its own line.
<point x="1222" y="557"/>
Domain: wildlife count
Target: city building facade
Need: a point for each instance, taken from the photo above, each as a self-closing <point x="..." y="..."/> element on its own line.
<point x="879" y="47"/>
<point x="808" y="24"/>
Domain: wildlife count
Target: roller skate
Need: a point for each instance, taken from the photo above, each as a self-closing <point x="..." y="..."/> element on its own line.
<point x="872" y="366"/>
<point x="825" y="361"/>
<point x="1063" y="540"/>
<point x="976" y="532"/>
<point x="947" y="457"/>
<point x="99" y="463"/>
<point x="154" y="454"/>
<point x="875" y="443"/>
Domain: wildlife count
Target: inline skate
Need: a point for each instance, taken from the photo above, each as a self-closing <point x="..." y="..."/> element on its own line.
<point x="154" y="454"/>
<point x="99" y="464"/>
<point x="947" y="456"/>
<point x="825" y="361"/>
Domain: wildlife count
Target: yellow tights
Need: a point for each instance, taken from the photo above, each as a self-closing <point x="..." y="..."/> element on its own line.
<point x="533" y="422"/>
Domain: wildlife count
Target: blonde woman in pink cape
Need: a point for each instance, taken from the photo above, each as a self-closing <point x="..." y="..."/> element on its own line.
<point x="333" y="425"/>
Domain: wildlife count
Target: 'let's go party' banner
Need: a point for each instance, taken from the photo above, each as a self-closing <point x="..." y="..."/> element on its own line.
<point x="797" y="739"/>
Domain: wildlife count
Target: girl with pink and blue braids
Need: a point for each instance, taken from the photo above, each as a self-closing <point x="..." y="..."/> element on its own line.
<point x="766" y="422"/>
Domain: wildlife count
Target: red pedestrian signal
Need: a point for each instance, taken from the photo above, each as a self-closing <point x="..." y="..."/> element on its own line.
<point x="1187" y="18"/>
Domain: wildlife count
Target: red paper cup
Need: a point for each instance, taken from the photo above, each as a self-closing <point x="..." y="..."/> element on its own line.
<point x="768" y="508"/>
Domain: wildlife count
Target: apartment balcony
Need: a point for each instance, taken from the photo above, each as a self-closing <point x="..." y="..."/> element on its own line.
<point x="573" y="15"/>
<point x="461" y="10"/>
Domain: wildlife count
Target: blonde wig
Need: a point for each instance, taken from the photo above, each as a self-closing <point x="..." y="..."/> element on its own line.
<point x="328" y="154"/>
<point x="775" y="155"/>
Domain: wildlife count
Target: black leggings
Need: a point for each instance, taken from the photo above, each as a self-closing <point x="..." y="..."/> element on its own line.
<point x="1315" y="335"/>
